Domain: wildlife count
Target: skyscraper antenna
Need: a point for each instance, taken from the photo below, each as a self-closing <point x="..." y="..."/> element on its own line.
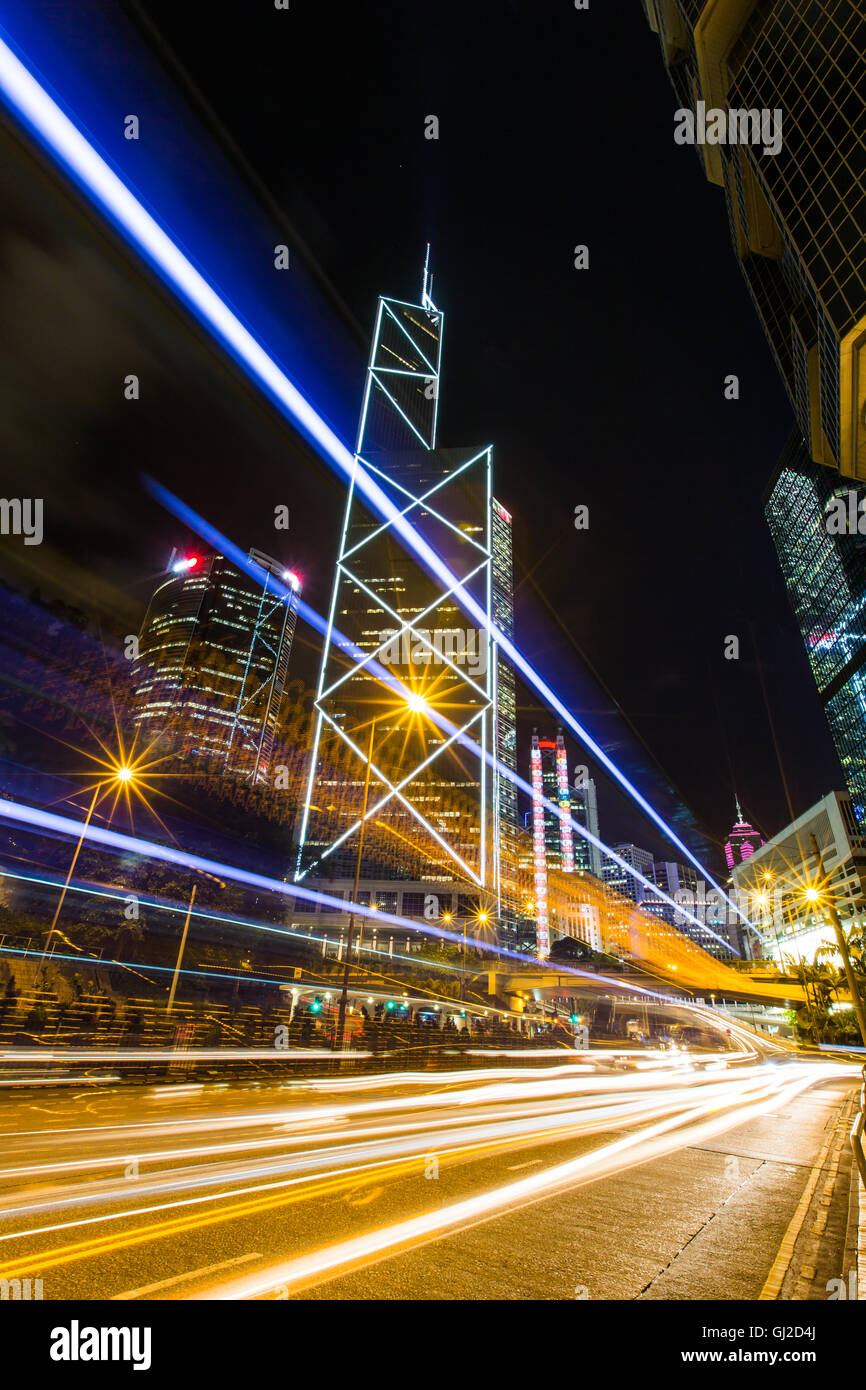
<point x="425" y="277"/>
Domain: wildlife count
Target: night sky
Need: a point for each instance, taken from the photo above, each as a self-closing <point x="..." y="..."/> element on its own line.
<point x="601" y="387"/>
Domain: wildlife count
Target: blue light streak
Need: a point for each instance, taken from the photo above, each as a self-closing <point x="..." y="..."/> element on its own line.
<point x="224" y="546"/>
<point x="37" y="819"/>
<point x="54" y="130"/>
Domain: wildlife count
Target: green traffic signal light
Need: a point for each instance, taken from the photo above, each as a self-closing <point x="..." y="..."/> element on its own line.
<point x="575" y="1019"/>
<point x="390" y="1004"/>
<point x="316" y="1006"/>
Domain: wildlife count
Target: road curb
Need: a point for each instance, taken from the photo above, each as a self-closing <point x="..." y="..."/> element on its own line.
<point x="785" y="1256"/>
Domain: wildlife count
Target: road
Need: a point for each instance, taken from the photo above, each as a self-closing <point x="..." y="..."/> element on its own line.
<point x="584" y="1175"/>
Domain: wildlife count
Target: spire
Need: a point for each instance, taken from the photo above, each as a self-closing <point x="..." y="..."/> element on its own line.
<point x="739" y="820"/>
<point x="427" y="283"/>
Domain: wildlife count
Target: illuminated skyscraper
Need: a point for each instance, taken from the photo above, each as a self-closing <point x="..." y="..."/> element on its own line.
<point x="798" y="212"/>
<point x="552" y="832"/>
<point x="824" y="568"/>
<point x="403" y="679"/>
<point x="742" y="841"/>
<point x="505" y="706"/>
<point x="213" y="656"/>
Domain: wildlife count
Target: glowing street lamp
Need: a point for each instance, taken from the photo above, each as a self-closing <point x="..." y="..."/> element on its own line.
<point x="813" y="895"/>
<point x="122" y="773"/>
<point x="418" y="705"/>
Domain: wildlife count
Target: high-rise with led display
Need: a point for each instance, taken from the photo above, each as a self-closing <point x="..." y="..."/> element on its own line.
<point x="213" y="657"/>
<point x="505" y="708"/>
<point x="552" y="833"/>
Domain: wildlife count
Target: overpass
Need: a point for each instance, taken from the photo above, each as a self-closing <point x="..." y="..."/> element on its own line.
<point x="741" y="986"/>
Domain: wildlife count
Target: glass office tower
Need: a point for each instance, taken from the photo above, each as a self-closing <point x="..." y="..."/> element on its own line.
<point x="213" y="658"/>
<point x="825" y="574"/>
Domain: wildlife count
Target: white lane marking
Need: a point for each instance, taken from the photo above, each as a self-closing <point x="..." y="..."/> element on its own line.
<point x="182" y="1278"/>
<point x="515" y="1167"/>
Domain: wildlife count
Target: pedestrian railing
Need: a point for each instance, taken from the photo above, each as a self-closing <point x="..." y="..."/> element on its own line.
<point x="857" y="1133"/>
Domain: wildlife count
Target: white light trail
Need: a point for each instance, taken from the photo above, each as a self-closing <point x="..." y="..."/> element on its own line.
<point x="62" y="138"/>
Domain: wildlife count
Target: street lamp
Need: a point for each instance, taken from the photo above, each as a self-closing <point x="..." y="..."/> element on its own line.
<point x="122" y="773"/>
<point x="482" y="918"/>
<point x="418" y="705"/>
<point x="813" y="895"/>
<point x="174" y="978"/>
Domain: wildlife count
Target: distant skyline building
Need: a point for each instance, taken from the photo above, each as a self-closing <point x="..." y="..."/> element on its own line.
<point x="557" y="847"/>
<point x="584" y="809"/>
<point x="743" y="840"/>
<point x="682" y="884"/>
<point x="620" y="880"/>
<point x="825" y="574"/>
<point x="798" y="213"/>
<point x="213" y="658"/>
<point x="399" y="652"/>
<point x="673" y="878"/>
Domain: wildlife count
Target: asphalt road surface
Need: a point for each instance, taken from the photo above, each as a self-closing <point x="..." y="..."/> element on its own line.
<point x="581" y="1176"/>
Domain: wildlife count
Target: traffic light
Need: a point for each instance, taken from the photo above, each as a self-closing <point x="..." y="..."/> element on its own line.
<point x="389" y="1004"/>
<point x="316" y="1006"/>
<point x="575" y="1020"/>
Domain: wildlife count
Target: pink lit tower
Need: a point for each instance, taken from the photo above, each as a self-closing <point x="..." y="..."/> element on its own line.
<point x="742" y="841"/>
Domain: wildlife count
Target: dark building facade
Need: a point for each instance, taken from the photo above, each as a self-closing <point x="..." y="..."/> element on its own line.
<point x="797" y="215"/>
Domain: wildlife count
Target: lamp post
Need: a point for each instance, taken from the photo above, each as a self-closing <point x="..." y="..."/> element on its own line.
<point x="171" y="992"/>
<point x="350" y="931"/>
<point x="482" y="918"/>
<point x="122" y="774"/>
<point x="417" y="705"/>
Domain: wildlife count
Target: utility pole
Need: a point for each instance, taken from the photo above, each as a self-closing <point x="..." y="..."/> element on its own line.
<point x="180" y="952"/>
<point x="842" y="944"/>
<point x="344" y="993"/>
<point x="68" y="877"/>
